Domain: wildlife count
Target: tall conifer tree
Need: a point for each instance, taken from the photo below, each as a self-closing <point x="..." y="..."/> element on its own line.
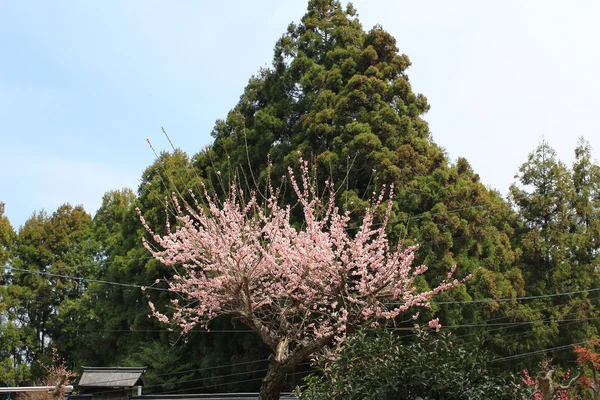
<point x="340" y="96"/>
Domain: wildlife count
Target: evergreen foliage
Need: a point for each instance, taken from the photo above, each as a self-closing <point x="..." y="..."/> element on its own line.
<point x="340" y="96"/>
<point x="380" y="366"/>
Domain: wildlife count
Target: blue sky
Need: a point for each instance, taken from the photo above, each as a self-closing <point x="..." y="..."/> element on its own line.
<point x="83" y="84"/>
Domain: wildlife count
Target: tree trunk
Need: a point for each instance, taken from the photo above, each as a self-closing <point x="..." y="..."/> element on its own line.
<point x="284" y="362"/>
<point x="273" y="383"/>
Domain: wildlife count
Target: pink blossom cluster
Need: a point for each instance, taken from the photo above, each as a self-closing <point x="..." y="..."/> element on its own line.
<point x="294" y="283"/>
<point x="435" y="324"/>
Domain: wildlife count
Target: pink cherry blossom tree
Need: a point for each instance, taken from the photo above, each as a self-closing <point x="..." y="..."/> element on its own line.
<point x="302" y="288"/>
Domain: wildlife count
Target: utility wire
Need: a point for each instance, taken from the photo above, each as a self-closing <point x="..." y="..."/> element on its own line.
<point x="497" y="327"/>
<point x="233" y="382"/>
<point x="476" y="301"/>
<point x="193" y="370"/>
<point x="542" y="296"/>
<point x="81" y="279"/>
<point x="158" y="330"/>
<point x="534" y="353"/>
<point x="507" y="358"/>
<point x="530" y="331"/>
<point x="193" y="380"/>
<point x="203" y="379"/>
<point x="538" y="309"/>
<point x="501" y="324"/>
<point x="477" y="324"/>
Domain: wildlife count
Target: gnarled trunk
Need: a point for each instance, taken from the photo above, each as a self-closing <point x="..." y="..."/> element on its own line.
<point x="284" y="361"/>
<point x="273" y="383"/>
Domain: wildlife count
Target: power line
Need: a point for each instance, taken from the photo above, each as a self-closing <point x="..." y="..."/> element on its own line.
<point x="476" y="301"/>
<point x="159" y="330"/>
<point x="194" y="370"/>
<point x="540" y="309"/>
<point x="560" y="324"/>
<point x="543" y="296"/>
<point x="81" y="279"/>
<point x="234" y="382"/>
<point x="503" y="324"/>
<point x="194" y="380"/>
<point x="214" y="367"/>
<point x="204" y="379"/>
<point x="533" y="353"/>
<point x="532" y="331"/>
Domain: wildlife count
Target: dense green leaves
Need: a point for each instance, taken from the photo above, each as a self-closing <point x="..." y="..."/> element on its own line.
<point x="340" y="96"/>
<point x="381" y="366"/>
<point x="39" y="307"/>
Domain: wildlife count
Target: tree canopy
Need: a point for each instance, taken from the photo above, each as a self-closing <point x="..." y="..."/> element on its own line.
<point x="339" y="96"/>
<point x="299" y="289"/>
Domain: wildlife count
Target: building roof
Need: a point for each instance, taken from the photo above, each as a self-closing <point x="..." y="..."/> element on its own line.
<point x="125" y="377"/>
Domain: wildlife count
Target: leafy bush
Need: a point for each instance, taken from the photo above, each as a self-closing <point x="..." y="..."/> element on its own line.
<point x="380" y="367"/>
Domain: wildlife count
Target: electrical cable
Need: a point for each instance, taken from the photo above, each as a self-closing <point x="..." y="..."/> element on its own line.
<point x="193" y="370"/>
<point x="533" y="353"/>
<point x="232" y="383"/>
<point x="476" y="301"/>
<point x="81" y="279"/>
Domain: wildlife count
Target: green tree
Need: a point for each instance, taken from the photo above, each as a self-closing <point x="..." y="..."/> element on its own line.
<point x="334" y="92"/>
<point x="553" y="203"/>
<point x="45" y="304"/>
<point x="547" y="214"/>
<point x="341" y="97"/>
